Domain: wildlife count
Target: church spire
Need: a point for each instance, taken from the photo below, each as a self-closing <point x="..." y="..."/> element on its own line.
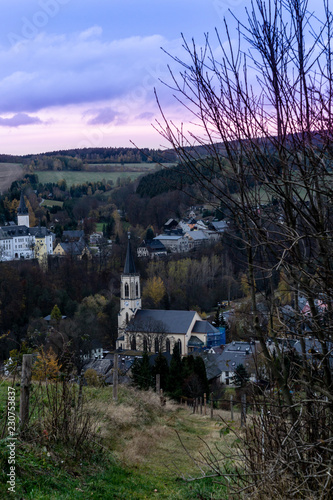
<point x="129" y="262"/>
<point x="23" y="213"/>
<point x="22" y="209"/>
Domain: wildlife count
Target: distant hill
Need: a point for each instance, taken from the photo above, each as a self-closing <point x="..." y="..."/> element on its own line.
<point x="73" y="159"/>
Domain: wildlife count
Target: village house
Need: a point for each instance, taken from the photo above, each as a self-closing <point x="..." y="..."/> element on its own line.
<point x="221" y="367"/>
<point x="24" y="242"/>
<point x="78" y="249"/>
<point x="152" y="249"/>
<point x="174" y="243"/>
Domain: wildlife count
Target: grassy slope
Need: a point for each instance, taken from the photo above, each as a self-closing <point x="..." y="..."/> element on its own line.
<point x="9" y="172"/>
<point x="142" y="456"/>
<point x="73" y="178"/>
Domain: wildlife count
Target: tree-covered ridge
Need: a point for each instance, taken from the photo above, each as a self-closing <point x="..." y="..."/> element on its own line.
<point x="75" y="159"/>
<point x="162" y="181"/>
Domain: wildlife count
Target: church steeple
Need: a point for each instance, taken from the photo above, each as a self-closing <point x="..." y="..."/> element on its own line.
<point x="22" y="213"/>
<point x="130" y="290"/>
<point x="129" y="267"/>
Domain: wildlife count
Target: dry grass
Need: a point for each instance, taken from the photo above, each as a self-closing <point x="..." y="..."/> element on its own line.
<point x="143" y="434"/>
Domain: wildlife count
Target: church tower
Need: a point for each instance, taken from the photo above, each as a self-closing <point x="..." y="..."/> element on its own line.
<point x="22" y="213"/>
<point x="130" y="290"/>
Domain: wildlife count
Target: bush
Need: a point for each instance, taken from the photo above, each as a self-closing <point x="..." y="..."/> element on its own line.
<point x="92" y="378"/>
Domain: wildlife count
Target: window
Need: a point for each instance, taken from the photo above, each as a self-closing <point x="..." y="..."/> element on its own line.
<point x="180" y="346"/>
<point x="145" y="344"/>
<point x="126" y="318"/>
<point x="167" y="345"/>
<point x="133" y="343"/>
<point x="137" y="289"/>
<point x="157" y="346"/>
<point x="126" y="290"/>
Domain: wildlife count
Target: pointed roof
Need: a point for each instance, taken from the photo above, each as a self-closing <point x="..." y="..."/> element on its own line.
<point x="22" y="209"/>
<point x="129" y="262"/>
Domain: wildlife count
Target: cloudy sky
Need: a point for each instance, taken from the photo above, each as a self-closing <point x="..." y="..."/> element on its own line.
<point x="81" y="73"/>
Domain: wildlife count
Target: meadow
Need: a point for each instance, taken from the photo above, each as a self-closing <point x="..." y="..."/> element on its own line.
<point x="73" y="178"/>
<point x="9" y="172"/>
<point x="134" y="452"/>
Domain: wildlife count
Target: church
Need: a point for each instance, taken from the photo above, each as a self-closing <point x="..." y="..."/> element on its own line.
<point x="24" y="242"/>
<point x="157" y="330"/>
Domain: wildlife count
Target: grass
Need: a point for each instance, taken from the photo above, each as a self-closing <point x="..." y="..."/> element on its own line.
<point x="74" y="177"/>
<point x="52" y="203"/>
<point x="141" y="456"/>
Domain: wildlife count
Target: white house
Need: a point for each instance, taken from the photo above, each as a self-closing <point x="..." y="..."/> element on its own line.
<point x="22" y="241"/>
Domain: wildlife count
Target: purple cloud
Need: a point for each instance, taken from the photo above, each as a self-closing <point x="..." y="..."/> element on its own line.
<point x="145" y="116"/>
<point x="104" y="116"/>
<point x="18" y="120"/>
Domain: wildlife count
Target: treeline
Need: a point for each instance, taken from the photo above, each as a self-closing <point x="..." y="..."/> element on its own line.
<point x="195" y="282"/>
<point x="76" y="159"/>
<point x="163" y="181"/>
<point x="27" y="294"/>
<point x="182" y="378"/>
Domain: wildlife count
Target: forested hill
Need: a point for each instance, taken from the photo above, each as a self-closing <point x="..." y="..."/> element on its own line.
<point x="162" y="181"/>
<point x="94" y="155"/>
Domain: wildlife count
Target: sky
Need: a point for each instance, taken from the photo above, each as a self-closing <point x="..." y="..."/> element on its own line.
<point x="82" y="73"/>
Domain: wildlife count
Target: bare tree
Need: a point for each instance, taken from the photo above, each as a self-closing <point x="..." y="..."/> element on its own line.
<point x="263" y="117"/>
<point x="147" y="334"/>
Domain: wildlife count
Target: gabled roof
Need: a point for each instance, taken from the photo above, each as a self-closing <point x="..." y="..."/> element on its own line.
<point x="204" y="327"/>
<point x="167" y="237"/>
<point x="155" y="245"/>
<point x="177" y="322"/>
<point x="76" y="234"/>
<point x="73" y="247"/>
<point x="220" y="225"/>
<point x="196" y="235"/>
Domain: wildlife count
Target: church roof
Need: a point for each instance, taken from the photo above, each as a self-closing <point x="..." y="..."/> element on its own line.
<point x="22" y="209"/>
<point x="173" y="321"/>
<point x="129" y="262"/>
<point x="204" y="327"/>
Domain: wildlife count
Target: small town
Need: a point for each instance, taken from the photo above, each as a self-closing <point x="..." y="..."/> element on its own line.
<point x="166" y="242"/>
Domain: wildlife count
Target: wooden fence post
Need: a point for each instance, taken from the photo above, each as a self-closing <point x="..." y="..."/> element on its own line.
<point x="205" y="402"/>
<point x="211" y="405"/>
<point x="115" y="376"/>
<point x="243" y="410"/>
<point x="200" y="405"/>
<point x="25" y="389"/>
<point x="158" y="383"/>
<point x="232" y="407"/>
<point x="162" y="398"/>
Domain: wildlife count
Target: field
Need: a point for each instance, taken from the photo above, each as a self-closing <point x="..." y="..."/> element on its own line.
<point x="141" y="457"/>
<point x="9" y="172"/>
<point x="80" y="177"/>
<point x="52" y="203"/>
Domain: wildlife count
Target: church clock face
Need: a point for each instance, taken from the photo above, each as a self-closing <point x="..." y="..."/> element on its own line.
<point x="126" y="303"/>
<point x="137" y="303"/>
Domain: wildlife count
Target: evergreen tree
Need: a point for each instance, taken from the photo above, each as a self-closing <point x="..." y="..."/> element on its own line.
<point x="161" y="367"/>
<point x="150" y="234"/>
<point x="241" y="377"/>
<point x="175" y="379"/>
<point x="142" y="372"/>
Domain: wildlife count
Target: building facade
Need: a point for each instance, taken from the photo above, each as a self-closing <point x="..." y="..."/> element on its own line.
<point x="24" y="242"/>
